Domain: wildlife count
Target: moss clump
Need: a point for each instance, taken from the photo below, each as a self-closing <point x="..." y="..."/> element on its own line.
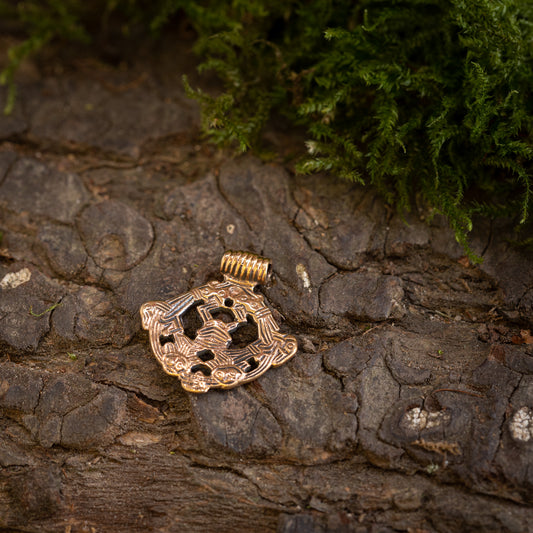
<point x="420" y="98"/>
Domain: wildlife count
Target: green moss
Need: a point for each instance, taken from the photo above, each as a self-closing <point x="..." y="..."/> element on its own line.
<point x="426" y="99"/>
<point x="49" y="310"/>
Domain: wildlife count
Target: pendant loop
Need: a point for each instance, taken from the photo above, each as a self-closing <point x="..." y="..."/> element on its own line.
<point x="245" y="267"/>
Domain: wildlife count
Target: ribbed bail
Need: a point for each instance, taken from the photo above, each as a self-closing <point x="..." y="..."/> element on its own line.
<point x="245" y="267"/>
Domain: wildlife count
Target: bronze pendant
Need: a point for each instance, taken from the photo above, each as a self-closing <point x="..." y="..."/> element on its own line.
<point x="237" y="338"/>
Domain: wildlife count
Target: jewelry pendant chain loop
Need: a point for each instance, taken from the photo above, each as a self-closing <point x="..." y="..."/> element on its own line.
<point x="238" y="339"/>
<point x="245" y="267"/>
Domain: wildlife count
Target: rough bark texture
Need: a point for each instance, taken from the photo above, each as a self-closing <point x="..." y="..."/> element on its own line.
<point x="408" y="407"/>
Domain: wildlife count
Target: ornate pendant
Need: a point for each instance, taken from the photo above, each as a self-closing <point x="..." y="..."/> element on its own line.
<point x="221" y="334"/>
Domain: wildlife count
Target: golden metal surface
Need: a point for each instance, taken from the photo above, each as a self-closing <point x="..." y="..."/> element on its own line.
<point x="245" y="267"/>
<point x="210" y="356"/>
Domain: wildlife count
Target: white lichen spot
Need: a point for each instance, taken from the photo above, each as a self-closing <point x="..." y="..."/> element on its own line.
<point x="230" y="228"/>
<point x="432" y="468"/>
<point x="521" y="425"/>
<point x="14" y="279"/>
<point x="437" y="418"/>
<point x="417" y="419"/>
<point x="304" y="276"/>
<point x="135" y="438"/>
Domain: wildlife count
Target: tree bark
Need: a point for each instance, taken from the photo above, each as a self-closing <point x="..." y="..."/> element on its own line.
<point x="408" y="407"/>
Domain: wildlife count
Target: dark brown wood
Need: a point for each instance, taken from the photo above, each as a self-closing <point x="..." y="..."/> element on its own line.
<point x="408" y="407"/>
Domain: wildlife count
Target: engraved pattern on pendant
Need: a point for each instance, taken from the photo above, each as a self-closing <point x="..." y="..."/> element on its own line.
<point x="222" y="365"/>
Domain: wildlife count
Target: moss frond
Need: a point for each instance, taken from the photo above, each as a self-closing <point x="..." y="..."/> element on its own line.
<point x="420" y="98"/>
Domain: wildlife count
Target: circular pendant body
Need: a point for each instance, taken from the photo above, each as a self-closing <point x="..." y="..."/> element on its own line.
<point x="221" y="334"/>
